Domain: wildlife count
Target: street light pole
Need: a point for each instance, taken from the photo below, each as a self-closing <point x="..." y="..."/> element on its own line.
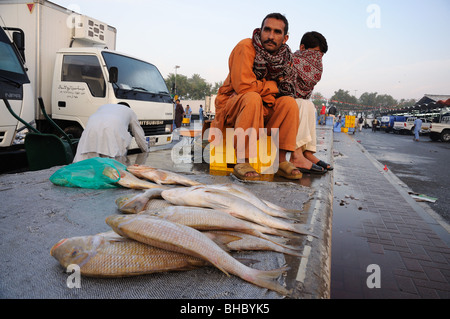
<point x="176" y="67"/>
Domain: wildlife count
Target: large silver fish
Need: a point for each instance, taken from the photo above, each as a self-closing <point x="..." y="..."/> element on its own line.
<point x="240" y="241"/>
<point x="208" y="219"/>
<point x="214" y="198"/>
<point x="161" y="233"/>
<point x="128" y="180"/>
<point x="133" y="204"/>
<point x="110" y="255"/>
<point x="246" y="194"/>
<point x="160" y="176"/>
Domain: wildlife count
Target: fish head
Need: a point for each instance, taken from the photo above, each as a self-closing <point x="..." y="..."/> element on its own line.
<point x="76" y="250"/>
<point x="111" y="173"/>
<point x="139" y="168"/>
<point x="176" y="195"/>
<point x="122" y="200"/>
<point x="131" y="204"/>
<point x="115" y="221"/>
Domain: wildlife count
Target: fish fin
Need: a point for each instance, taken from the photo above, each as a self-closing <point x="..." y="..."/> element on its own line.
<point x="294" y="212"/>
<point x="223" y="238"/>
<point x="275" y="239"/>
<point x="266" y="279"/>
<point x="302" y="229"/>
<point x="274" y="206"/>
<point x="214" y="202"/>
<point x="280" y="242"/>
<point x="281" y="233"/>
<point x="224" y="247"/>
<point x="247" y="261"/>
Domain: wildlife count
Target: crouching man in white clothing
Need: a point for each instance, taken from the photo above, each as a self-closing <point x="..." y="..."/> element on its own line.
<point x="106" y="133"/>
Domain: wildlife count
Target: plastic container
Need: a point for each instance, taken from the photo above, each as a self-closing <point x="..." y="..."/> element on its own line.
<point x="223" y="157"/>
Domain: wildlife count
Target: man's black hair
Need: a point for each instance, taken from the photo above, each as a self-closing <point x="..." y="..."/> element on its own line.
<point x="277" y="16"/>
<point x="314" y="39"/>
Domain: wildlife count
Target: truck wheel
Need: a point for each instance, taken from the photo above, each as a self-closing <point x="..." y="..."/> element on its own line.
<point x="73" y="130"/>
<point x="434" y="136"/>
<point x="445" y="136"/>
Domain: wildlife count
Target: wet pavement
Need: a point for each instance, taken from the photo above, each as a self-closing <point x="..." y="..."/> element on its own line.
<point x="384" y="244"/>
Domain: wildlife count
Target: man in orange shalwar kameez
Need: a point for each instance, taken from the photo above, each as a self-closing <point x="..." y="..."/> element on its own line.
<point x="244" y="102"/>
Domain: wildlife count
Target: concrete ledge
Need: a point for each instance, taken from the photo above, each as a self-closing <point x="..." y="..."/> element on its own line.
<point x="312" y="276"/>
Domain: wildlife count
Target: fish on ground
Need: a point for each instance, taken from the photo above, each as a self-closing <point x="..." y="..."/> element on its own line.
<point x="133" y="204"/>
<point x="128" y="180"/>
<point x="160" y="176"/>
<point x="163" y="234"/>
<point x="110" y="255"/>
<point x="209" y="219"/>
<point x="240" y="241"/>
<point x="214" y="198"/>
<point x="249" y="196"/>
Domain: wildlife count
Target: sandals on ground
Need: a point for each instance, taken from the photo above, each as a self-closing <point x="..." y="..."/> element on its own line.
<point x="241" y="169"/>
<point x="325" y="165"/>
<point x="285" y="170"/>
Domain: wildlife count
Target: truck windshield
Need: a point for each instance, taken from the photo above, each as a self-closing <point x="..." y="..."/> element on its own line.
<point x="10" y="67"/>
<point x="138" y="80"/>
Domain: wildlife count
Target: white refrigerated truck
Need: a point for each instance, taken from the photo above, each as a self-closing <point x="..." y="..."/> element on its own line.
<point x="72" y="64"/>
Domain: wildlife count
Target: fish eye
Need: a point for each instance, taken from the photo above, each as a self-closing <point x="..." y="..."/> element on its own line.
<point x="74" y="253"/>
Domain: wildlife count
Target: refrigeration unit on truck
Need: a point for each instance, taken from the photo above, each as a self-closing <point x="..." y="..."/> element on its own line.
<point x="72" y="64"/>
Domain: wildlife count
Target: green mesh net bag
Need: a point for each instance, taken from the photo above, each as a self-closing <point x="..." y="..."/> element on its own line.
<point x="88" y="174"/>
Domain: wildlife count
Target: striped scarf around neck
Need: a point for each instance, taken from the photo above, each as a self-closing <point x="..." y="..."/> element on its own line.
<point x="274" y="67"/>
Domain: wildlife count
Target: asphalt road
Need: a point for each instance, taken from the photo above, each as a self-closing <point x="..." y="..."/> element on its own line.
<point x="423" y="166"/>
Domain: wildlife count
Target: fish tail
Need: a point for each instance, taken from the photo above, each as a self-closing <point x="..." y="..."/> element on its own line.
<point x="302" y="229"/>
<point x="292" y="252"/>
<point x="293" y="212"/>
<point x="280" y="242"/>
<point x="276" y="239"/>
<point x="267" y="279"/>
<point x="221" y="269"/>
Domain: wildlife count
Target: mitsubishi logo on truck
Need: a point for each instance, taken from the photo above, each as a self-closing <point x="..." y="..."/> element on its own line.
<point x="151" y="122"/>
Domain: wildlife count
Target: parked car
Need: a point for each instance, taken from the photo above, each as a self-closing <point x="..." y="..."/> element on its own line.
<point x="441" y="130"/>
<point x="407" y="126"/>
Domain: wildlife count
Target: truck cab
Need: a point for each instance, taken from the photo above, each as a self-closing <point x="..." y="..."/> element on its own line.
<point x="15" y="88"/>
<point x="72" y="65"/>
<point x="86" y="78"/>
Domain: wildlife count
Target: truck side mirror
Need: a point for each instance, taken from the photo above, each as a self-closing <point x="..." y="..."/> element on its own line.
<point x="113" y="74"/>
<point x="19" y="41"/>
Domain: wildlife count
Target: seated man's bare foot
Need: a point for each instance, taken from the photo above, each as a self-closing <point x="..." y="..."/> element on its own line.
<point x="245" y="171"/>
<point x="311" y="157"/>
<point x="299" y="160"/>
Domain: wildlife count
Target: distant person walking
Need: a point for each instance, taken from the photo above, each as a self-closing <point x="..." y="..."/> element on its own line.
<point x="332" y="112"/>
<point x="188" y="112"/>
<point x="417" y="128"/>
<point x="323" y="112"/>
<point x="200" y="113"/>
<point x="179" y="113"/>
<point x="374" y="125"/>
<point x="360" y="123"/>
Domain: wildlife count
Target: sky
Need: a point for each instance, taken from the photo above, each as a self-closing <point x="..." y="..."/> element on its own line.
<point x="400" y="48"/>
